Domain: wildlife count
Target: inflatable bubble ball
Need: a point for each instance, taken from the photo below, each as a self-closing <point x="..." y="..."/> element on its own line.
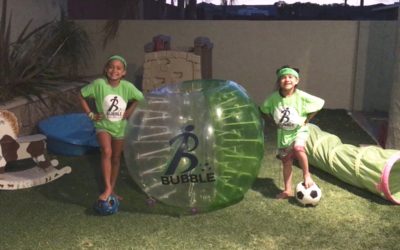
<point x="197" y="145"/>
<point x="107" y="207"/>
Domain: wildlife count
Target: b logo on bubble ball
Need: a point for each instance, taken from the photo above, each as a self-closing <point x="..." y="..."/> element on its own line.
<point x="184" y="151"/>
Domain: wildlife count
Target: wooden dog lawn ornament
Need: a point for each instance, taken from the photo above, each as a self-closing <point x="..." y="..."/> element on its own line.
<point x="13" y="148"/>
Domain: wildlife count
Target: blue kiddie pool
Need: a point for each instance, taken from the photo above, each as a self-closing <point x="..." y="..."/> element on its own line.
<point x="70" y="134"/>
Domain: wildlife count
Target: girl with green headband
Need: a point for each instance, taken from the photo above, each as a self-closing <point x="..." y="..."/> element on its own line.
<point x="115" y="100"/>
<point x="291" y="109"/>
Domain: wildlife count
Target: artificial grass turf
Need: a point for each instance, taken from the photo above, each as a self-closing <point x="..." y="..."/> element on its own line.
<point x="59" y="215"/>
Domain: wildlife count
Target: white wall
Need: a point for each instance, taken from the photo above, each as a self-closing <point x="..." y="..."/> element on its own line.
<point x="249" y="52"/>
<point x="39" y="11"/>
<point x="348" y="63"/>
<point x="375" y="67"/>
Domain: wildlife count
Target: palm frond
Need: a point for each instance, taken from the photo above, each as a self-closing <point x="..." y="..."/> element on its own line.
<point x="110" y="31"/>
<point x="40" y="58"/>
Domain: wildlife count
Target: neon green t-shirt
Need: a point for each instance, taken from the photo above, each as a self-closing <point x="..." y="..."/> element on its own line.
<point x="111" y="102"/>
<point x="290" y="113"/>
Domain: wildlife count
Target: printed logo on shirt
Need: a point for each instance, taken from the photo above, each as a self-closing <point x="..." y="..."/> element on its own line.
<point x="114" y="107"/>
<point x="286" y="118"/>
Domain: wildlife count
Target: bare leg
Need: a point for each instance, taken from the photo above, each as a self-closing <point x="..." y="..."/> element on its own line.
<point x="303" y="161"/>
<point x="106" y="152"/>
<point x="117" y="147"/>
<point x="287" y="178"/>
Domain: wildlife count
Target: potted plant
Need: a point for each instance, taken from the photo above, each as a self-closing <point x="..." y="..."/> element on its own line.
<point x="40" y="59"/>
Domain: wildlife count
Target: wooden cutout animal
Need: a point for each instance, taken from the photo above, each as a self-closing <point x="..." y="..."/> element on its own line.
<point x="13" y="148"/>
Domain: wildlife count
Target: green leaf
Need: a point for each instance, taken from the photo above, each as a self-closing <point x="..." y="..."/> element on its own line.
<point x="40" y="59"/>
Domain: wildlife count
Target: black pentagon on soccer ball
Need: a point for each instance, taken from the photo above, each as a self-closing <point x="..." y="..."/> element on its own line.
<point x="300" y="195"/>
<point x="314" y="194"/>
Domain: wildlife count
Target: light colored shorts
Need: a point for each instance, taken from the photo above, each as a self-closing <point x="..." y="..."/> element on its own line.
<point x="288" y="153"/>
<point x="98" y="130"/>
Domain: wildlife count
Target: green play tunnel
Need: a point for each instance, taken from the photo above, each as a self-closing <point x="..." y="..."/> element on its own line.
<point x="371" y="167"/>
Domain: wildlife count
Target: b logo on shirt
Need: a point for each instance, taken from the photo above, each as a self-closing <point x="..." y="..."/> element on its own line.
<point x="114" y="104"/>
<point x="114" y="107"/>
<point x="286" y="118"/>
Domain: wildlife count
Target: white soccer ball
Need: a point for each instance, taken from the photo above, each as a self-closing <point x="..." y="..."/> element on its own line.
<point x="308" y="196"/>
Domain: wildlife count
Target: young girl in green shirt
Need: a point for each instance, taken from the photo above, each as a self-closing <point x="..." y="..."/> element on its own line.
<point x="111" y="94"/>
<point x="291" y="110"/>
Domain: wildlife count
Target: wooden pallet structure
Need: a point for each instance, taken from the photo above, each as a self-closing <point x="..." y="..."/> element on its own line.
<point x="13" y="148"/>
<point x="166" y="65"/>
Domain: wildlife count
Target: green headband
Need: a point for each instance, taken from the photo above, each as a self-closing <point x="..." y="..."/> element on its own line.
<point x="117" y="57"/>
<point x="287" y="71"/>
